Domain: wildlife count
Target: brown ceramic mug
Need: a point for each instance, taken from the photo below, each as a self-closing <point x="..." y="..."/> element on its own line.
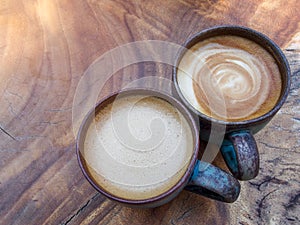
<point x="235" y="80"/>
<point x="139" y="147"/>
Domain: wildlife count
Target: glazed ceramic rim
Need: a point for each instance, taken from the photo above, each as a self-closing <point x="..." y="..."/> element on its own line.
<point x="255" y="36"/>
<point x="137" y="91"/>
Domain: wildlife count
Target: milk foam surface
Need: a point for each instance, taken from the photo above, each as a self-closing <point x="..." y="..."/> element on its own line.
<point x="138" y="147"/>
<point x="230" y="78"/>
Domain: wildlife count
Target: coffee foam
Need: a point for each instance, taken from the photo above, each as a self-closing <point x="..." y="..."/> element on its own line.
<point x="117" y="160"/>
<point x="230" y="78"/>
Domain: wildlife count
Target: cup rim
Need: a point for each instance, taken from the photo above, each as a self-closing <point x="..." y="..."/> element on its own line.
<point x="253" y="35"/>
<point x="131" y="91"/>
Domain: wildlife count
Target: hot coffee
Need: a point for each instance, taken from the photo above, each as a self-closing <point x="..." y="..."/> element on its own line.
<point x="138" y="147"/>
<point x="229" y="78"/>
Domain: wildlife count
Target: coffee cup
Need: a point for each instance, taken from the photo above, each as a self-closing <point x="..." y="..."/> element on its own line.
<point x="234" y="79"/>
<point x="139" y="147"/>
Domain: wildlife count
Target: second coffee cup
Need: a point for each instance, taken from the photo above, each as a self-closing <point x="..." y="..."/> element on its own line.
<point x="235" y="80"/>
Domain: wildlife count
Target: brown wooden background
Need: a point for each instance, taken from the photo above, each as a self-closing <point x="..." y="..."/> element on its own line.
<point x="45" y="46"/>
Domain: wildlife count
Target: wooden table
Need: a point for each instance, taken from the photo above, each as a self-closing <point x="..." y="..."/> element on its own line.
<point x="45" y="47"/>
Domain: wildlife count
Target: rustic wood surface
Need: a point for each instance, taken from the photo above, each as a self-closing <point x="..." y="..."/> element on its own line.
<point x="45" y="47"/>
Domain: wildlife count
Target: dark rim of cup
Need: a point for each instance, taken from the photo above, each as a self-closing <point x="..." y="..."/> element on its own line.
<point x="89" y="118"/>
<point x="255" y="36"/>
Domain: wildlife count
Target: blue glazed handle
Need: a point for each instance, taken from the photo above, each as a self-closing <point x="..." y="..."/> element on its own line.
<point x="212" y="182"/>
<point x="240" y="153"/>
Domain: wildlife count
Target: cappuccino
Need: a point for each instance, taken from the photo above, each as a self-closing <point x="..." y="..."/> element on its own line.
<point x="229" y="78"/>
<point x="138" y="147"/>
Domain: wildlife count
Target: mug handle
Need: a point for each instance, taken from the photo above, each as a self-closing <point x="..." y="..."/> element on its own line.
<point x="240" y="153"/>
<point x="212" y="182"/>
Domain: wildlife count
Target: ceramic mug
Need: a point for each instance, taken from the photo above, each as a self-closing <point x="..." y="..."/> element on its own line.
<point x="239" y="148"/>
<point x="198" y="177"/>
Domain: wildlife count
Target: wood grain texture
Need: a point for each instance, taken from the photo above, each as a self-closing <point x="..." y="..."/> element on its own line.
<point x="45" y="47"/>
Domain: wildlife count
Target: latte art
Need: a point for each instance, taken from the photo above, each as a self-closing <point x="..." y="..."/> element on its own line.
<point x="232" y="78"/>
<point x="237" y="77"/>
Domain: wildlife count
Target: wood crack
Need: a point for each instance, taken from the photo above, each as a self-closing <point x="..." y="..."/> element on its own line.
<point x="272" y="146"/>
<point x="291" y="50"/>
<point x="261" y="203"/>
<point x="268" y="179"/>
<point x="185" y="213"/>
<point x="294" y="200"/>
<point x="295" y="118"/>
<point x="7" y="133"/>
<point x="80" y="209"/>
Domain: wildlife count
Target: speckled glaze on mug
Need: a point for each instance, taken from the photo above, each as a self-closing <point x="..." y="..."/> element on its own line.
<point x="200" y="177"/>
<point x="239" y="148"/>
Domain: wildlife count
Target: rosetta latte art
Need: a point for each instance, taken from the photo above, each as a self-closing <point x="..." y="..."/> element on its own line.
<point x="236" y="78"/>
<point x="229" y="78"/>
